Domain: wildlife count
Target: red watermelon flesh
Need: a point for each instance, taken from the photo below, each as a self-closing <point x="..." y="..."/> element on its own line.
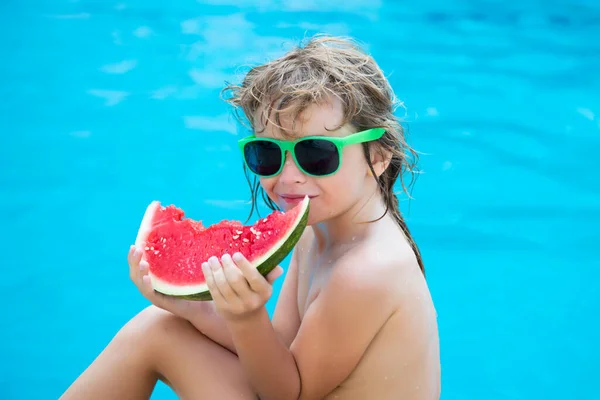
<point x="175" y="247"/>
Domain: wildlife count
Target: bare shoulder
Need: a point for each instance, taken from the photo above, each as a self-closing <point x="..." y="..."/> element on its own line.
<point x="397" y="319"/>
<point x="357" y="316"/>
<point x="330" y="342"/>
<point x="385" y="274"/>
<point x="383" y="265"/>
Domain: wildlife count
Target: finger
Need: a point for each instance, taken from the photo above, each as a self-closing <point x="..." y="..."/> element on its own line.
<point x="137" y="270"/>
<point x="256" y="281"/>
<point x="130" y="253"/>
<point x="160" y="300"/>
<point x="143" y="280"/>
<point x="212" y="286"/>
<point x="143" y="283"/>
<point x="134" y="257"/>
<point x="274" y="274"/>
<point x="221" y="281"/>
<point x="235" y="278"/>
<point x="130" y="262"/>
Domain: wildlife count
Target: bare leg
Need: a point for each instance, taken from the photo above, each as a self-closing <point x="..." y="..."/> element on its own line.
<point x="158" y="345"/>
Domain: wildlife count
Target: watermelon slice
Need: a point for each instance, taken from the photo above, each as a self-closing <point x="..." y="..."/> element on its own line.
<point x="175" y="247"/>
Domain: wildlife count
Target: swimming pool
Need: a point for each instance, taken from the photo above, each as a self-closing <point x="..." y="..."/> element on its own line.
<point x="501" y="99"/>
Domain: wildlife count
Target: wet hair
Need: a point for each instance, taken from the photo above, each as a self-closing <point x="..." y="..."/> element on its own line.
<point x="322" y="67"/>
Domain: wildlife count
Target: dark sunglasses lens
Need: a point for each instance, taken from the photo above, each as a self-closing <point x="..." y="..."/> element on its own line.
<point x="262" y="157"/>
<point x="317" y="157"/>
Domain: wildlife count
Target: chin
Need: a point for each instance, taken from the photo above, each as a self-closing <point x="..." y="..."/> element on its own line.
<point x="315" y="217"/>
<point x="311" y="220"/>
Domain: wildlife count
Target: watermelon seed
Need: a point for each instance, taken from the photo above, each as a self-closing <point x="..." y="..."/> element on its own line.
<point x="239" y="232"/>
<point x="245" y="240"/>
<point x="236" y="236"/>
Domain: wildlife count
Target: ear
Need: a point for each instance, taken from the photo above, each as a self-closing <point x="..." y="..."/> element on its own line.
<point x="380" y="159"/>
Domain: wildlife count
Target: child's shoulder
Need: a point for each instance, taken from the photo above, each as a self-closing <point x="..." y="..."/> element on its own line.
<point x="378" y="268"/>
<point x="378" y="264"/>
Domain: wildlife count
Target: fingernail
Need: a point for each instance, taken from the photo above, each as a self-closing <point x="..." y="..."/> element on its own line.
<point x="238" y="257"/>
<point x="214" y="263"/>
<point x="226" y="257"/>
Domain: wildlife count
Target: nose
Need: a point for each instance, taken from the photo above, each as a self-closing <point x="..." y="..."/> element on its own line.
<point x="290" y="172"/>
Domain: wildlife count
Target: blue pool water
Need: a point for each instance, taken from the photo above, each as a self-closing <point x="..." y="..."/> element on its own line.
<point x="106" y="105"/>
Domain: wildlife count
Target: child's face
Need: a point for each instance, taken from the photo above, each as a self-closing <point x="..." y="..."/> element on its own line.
<point x="331" y="195"/>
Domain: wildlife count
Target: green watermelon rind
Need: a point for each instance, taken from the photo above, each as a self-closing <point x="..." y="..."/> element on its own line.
<point x="264" y="265"/>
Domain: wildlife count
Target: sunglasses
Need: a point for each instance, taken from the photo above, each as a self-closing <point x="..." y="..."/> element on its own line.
<point x="314" y="155"/>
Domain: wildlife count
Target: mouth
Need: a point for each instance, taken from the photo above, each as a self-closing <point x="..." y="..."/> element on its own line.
<point x="294" y="198"/>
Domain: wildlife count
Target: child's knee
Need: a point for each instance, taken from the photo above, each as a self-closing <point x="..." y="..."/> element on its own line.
<point x="148" y="326"/>
<point x="152" y="316"/>
<point x="158" y="320"/>
<point x="148" y="331"/>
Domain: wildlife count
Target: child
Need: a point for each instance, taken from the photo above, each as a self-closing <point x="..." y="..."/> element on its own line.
<point x="354" y="319"/>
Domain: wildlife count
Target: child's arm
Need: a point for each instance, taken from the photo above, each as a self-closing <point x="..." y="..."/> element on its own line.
<point x="336" y="330"/>
<point x="267" y="360"/>
<point x="340" y="324"/>
<point x="286" y="318"/>
<point x="212" y="325"/>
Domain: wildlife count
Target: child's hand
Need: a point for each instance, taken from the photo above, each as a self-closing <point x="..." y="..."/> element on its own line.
<point x="237" y="288"/>
<point x="138" y="272"/>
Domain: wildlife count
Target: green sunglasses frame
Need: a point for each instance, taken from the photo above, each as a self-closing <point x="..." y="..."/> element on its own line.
<point x="289" y="145"/>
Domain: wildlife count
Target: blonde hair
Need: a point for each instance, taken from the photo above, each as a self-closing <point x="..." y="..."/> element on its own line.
<point x="330" y="66"/>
